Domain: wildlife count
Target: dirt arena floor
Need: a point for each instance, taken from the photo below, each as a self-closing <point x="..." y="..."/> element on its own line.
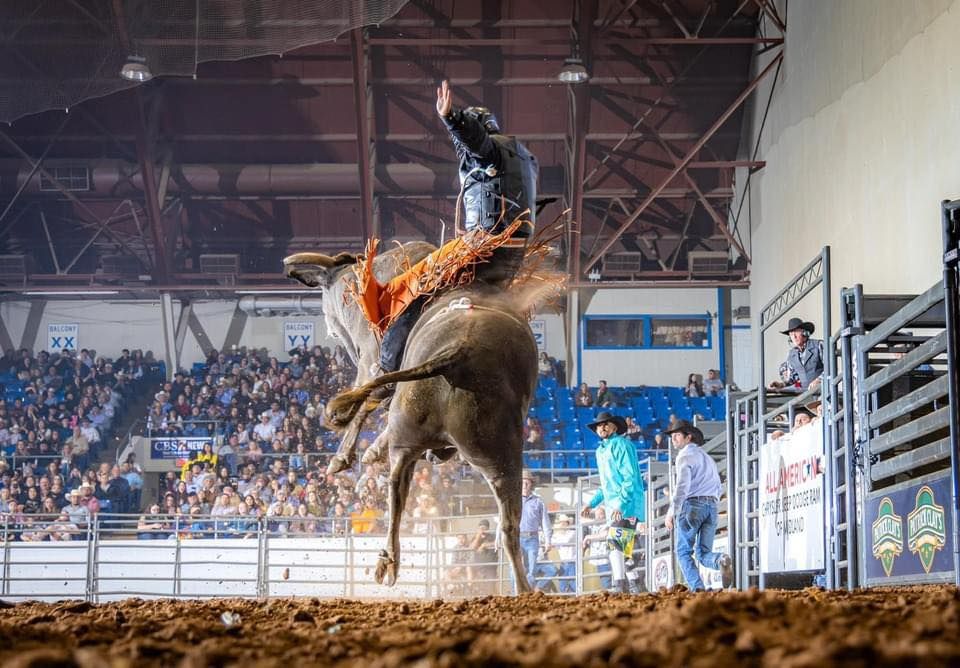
<point x="898" y="627"/>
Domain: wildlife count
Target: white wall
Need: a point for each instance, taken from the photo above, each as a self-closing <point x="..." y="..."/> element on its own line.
<point x="649" y="367"/>
<point x="556" y="340"/>
<point x="740" y="351"/>
<point x="860" y="145"/>
<point x="110" y="326"/>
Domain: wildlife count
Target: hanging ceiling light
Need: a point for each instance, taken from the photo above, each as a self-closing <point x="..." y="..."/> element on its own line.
<point x="135" y="69"/>
<point x="573" y="70"/>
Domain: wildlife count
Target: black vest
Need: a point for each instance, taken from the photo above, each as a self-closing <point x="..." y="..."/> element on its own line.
<point x="494" y="195"/>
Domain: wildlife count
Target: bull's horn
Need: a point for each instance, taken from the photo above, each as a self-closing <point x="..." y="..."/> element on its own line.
<point x="320" y="260"/>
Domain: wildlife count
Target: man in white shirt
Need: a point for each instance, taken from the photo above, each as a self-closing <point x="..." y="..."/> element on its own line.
<point x="265" y="430"/>
<point x="693" y="506"/>
<point x="88" y="430"/>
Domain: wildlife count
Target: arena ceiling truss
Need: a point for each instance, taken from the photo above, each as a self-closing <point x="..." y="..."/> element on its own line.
<point x="203" y="178"/>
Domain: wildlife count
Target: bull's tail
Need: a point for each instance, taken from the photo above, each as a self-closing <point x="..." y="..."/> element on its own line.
<point x="343" y="407"/>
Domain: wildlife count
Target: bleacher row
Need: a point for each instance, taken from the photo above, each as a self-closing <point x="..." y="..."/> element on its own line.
<point x="573" y="445"/>
<point x="14" y="388"/>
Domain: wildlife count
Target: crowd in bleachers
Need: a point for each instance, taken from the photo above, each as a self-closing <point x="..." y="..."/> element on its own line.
<point x="229" y="393"/>
<point x="57" y="414"/>
<point x="273" y="454"/>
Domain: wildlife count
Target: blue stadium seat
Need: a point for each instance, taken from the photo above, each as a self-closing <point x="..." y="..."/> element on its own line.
<point x="719" y="405"/>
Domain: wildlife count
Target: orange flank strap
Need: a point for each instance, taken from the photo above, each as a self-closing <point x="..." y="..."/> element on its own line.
<point x="451" y="264"/>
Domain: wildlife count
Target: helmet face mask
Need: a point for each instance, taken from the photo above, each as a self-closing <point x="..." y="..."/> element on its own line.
<point x="485" y="117"/>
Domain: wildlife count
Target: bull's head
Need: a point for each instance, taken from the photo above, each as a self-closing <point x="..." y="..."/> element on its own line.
<point x="316" y="270"/>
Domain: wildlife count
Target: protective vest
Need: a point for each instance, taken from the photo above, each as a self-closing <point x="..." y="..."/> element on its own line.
<point x="498" y="190"/>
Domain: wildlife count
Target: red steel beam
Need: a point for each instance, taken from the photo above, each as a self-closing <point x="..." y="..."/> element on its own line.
<point x="685" y="160"/>
<point x="771" y="11"/>
<point x="565" y="43"/>
<point x="718" y="220"/>
<point x="580" y="98"/>
<point x="726" y="164"/>
<point x="361" y="100"/>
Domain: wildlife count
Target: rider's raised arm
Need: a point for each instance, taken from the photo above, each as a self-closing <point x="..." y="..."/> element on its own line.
<point x="469" y="134"/>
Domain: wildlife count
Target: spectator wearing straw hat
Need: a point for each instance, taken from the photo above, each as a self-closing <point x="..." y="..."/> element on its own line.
<point x="621" y="491"/>
<point x="533" y="518"/>
<point x="804" y="364"/>
<point x="693" y="506"/>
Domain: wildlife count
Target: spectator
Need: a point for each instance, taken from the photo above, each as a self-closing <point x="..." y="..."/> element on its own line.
<point x="265" y="431"/>
<point x="545" y="366"/>
<point x="426" y="510"/>
<point x="596" y="564"/>
<point x="533" y="437"/>
<point x="366" y="521"/>
<point x="621" y="491"/>
<point x="694" y="387"/>
<point x="693" y="506"/>
<point x="713" y="386"/>
<point x="75" y="510"/>
<point x="150" y="526"/>
<point x="460" y="559"/>
<point x="801" y="418"/>
<point x="87" y="498"/>
<point x="634" y="432"/>
<point x="583" y="398"/>
<point x="533" y="518"/>
<point x="565" y="540"/>
<point x="605" y="397"/>
<point x="485" y="561"/>
<point x="804" y="364"/>
<point x="80" y="447"/>
<point x="62" y="529"/>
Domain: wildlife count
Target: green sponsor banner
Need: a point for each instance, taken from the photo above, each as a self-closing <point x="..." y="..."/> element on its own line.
<point x="910" y="531"/>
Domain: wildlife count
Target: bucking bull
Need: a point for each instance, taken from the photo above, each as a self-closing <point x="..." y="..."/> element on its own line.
<point x="469" y="371"/>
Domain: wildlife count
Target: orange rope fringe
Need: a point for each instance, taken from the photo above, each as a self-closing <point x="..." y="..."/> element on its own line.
<point x="453" y="264"/>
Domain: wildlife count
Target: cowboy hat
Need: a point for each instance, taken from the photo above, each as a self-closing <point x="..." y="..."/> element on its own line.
<point x="607" y="416"/>
<point x="684" y="427"/>
<point x="527" y="475"/>
<point x="799" y="323"/>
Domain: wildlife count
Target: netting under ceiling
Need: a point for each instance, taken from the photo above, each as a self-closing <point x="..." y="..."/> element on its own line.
<point x="57" y="53"/>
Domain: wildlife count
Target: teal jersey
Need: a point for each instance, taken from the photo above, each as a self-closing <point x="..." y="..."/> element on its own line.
<point x="621" y="485"/>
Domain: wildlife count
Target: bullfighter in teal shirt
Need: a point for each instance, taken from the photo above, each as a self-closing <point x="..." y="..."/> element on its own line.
<point x="621" y="491"/>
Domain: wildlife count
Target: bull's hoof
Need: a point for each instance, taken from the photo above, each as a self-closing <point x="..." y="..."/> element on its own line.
<point x="338" y="463"/>
<point x="375" y="453"/>
<point x="386" y="573"/>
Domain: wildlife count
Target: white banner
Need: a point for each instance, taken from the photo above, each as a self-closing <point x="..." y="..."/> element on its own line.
<point x="791" y="502"/>
<point x="298" y="333"/>
<point x="62" y="337"/>
<point x="662" y="571"/>
<point x="539" y="329"/>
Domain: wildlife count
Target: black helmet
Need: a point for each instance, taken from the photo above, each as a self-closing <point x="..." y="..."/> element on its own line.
<point x="485" y="117"/>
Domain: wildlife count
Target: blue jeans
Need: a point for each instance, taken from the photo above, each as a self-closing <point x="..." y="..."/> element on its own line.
<point x="696" y="526"/>
<point x="562" y="574"/>
<point x="530" y="549"/>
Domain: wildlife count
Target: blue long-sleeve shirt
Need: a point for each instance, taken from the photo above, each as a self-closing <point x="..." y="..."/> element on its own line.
<point x="621" y="486"/>
<point x="696" y="475"/>
<point x="533" y="516"/>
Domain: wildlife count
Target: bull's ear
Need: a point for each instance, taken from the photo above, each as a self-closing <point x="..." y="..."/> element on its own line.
<point x="316" y="269"/>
